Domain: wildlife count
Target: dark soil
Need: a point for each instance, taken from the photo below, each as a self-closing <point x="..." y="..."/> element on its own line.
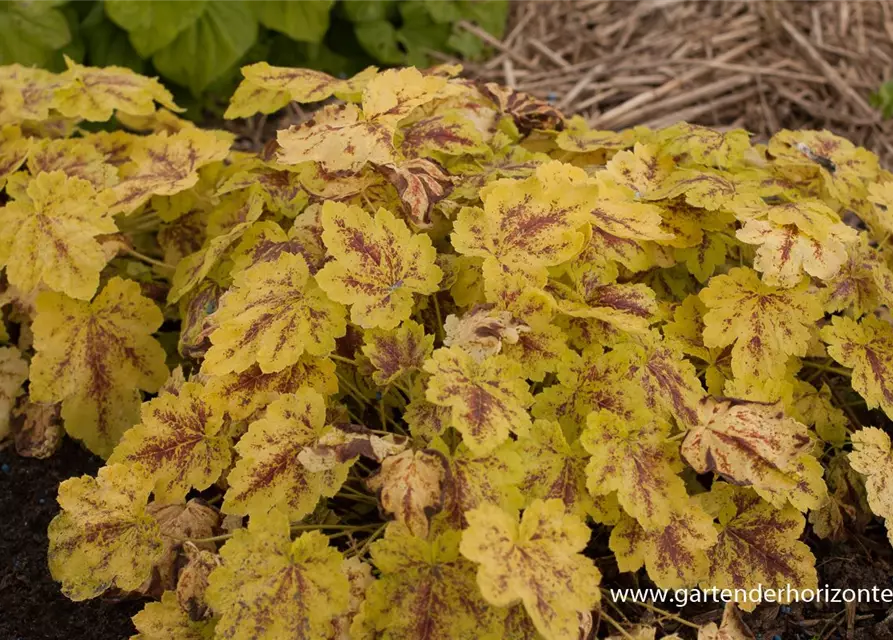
<point x="33" y="608"/>
<point x="31" y="605"/>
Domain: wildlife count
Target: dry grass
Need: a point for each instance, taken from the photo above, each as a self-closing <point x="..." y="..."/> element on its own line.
<point x="761" y="65"/>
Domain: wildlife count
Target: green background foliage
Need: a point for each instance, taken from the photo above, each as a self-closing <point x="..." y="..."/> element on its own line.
<point x="199" y="45"/>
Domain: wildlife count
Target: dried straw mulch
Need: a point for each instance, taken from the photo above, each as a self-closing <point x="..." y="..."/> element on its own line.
<point x="761" y="65"/>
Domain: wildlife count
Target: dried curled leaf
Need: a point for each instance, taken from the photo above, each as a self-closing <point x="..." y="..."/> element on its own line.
<point x="482" y="332"/>
<point x="103" y="538"/>
<point x="192" y="581"/>
<point x="536" y="561"/>
<point x="410" y="485"/>
<point x="94" y="357"/>
<point x="488" y="399"/>
<point x="379" y="264"/>
<point x="268" y="474"/>
<point x="181" y="443"/>
<point x="426" y="590"/>
<point x="345" y="443"/>
<point x="731" y="626"/>
<point x="273" y="314"/>
<point x="755" y="444"/>
<point x="49" y="235"/>
<point x="272" y="585"/>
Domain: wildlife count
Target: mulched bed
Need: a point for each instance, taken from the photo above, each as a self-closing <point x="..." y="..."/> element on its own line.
<point x="32" y="606"/>
<point x="758" y="65"/>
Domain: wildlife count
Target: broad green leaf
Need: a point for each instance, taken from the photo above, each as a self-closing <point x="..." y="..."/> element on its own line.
<point x="270" y="585"/>
<point x="301" y="21"/>
<point x="95" y="357"/>
<point x="32" y="32"/>
<point x="103" y="538"/>
<point x="210" y="46"/>
<point x="537" y="561"/>
<point x="180" y="444"/>
<point x="154" y="25"/>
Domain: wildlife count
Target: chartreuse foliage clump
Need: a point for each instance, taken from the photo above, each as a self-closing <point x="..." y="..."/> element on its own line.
<point x="384" y="378"/>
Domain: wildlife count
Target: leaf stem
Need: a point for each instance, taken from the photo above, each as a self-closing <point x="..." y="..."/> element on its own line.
<point x="368" y="541"/>
<point x="616" y="625"/>
<point x="828" y="368"/>
<point x="140" y="256"/>
<point x="337" y="358"/>
<point x="438" y="330"/>
<point x="667" y="614"/>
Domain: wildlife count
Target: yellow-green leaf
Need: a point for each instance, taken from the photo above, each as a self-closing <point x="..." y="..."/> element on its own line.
<point x="268" y="474"/>
<point x="270" y="585"/>
<point x="764" y="324"/>
<point x="95" y="357"/>
<point x="103" y="538"/>
<point x="425" y="590"/>
<point x="274" y="313"/>
<point x="489" y="399"/>
<point x="757" y="546"/>
<point x="48" y="238"/>
<point x="379" y="264"/>
<point x="180" y="444"/>
<point x="536" y="561"/>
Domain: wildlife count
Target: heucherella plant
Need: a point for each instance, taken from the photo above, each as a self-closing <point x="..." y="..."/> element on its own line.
<point x="385" y="377"/>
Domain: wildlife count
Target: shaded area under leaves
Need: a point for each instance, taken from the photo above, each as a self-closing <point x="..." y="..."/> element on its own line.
<point x="32" y="605"/>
